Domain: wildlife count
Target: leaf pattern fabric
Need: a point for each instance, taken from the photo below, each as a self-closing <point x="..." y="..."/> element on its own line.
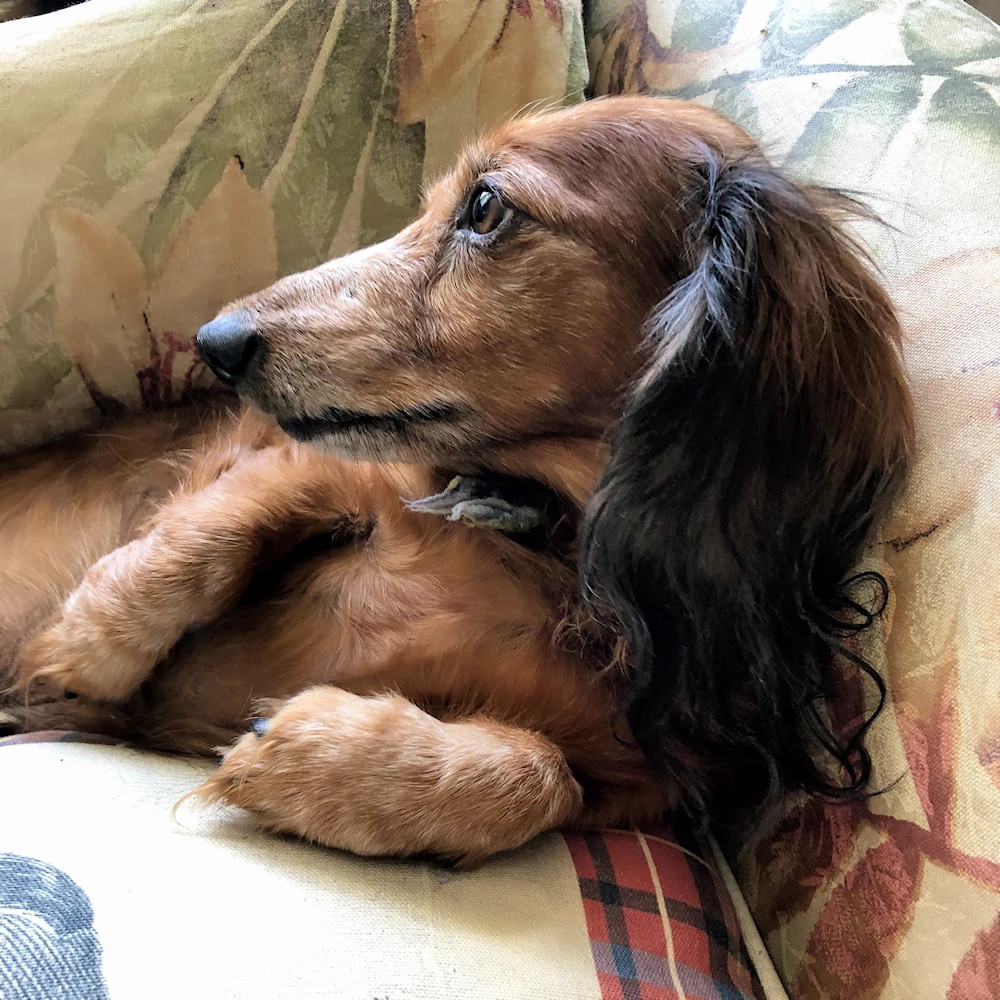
<point x="895" y="897"/>
<point x="160" y="157"/>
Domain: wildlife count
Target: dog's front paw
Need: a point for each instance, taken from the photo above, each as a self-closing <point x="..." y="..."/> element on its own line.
<point x="497" y="502"/>
<point x="298" y="771"/>
<point x="254" y="773"/>
<point x="74" y="658"/>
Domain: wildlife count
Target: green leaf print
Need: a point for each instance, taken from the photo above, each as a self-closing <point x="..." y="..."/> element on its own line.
<point x="700" y="25"/>
<point x="600" y="17"/>
<point x="311" y="194"/>
<point x="844" y="142"/>
<point x="578" y="71"/>
<point x="391" y="196"/>
<point x="734" y="100"/>
<point x="251" y="119"/>
<point x="938" y="37"/>
<point x="796" y="26"/>
<point x="178" y="66"/>
<point x="966" y="110"/>
<point x="42" y="365"/>
<point x="37" y="255"/>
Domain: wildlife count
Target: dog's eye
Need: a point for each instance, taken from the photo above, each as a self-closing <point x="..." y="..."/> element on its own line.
<point x="486" y="211"/>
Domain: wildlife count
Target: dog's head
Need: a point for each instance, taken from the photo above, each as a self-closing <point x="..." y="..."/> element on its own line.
<point x="508" y="312"/>
<point x="630" y="271"/>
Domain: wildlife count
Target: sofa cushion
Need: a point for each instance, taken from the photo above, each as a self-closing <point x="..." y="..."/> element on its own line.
<point x="103" y="893"/>
<point x="897" y="897"/>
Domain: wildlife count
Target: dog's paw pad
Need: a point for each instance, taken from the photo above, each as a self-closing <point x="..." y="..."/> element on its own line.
<point x="501" y="503"/>
<point x="497" y="514"/>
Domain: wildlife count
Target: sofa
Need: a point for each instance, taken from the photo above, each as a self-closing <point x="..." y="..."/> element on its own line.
<point x="161" y="157"/>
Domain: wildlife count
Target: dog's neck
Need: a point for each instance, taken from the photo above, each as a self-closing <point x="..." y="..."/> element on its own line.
<point x="570" y="467"/>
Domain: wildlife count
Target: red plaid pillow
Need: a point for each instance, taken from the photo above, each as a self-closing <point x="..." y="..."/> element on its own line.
<point x="661" y="923"/>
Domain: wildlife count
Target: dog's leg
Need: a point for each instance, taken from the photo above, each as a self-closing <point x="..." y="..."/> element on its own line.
<point x="377" y="775"/>
<point x="192" y="565"/>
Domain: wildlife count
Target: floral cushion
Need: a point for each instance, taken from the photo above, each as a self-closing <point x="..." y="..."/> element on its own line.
<point x="104" y="897"/>
<point x="895" y="898"/>
<point x="161" y="157"/>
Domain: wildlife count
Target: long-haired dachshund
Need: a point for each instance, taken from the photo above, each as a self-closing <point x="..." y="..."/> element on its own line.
<point x="622" y="302"/>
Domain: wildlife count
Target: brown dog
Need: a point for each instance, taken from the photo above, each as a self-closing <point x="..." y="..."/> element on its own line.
<point x="622" y="301"/>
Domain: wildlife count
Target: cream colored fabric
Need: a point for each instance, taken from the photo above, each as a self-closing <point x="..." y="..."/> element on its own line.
<point x="207" y="908"/>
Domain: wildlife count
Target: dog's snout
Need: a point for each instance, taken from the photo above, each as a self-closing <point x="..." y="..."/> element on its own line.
<point x="228" y="344"/>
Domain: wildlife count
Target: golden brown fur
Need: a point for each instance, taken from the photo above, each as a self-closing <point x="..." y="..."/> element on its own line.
<point x="435" y="687"/>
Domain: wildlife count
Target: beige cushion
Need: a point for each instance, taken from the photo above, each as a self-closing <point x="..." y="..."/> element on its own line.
<point x="101" y="891"/>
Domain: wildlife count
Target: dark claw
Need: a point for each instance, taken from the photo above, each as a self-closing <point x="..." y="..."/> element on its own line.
<point x="8" y="725"/>
<point x="259" y="726"/>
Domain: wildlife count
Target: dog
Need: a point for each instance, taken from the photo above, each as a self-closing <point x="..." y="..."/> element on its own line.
<point x="621" y="302"/>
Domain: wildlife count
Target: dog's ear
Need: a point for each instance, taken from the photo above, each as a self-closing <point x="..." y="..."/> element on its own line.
<point x="769" y="431"/>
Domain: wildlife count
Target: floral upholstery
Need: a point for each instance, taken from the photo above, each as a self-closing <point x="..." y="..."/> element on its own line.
<point x="898" y="897"/>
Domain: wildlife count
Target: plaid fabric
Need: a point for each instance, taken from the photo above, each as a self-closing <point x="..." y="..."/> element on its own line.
<point x="661" y="925"/>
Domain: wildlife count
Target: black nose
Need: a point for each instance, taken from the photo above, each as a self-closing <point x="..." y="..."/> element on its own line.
<point x="228" y="343"/>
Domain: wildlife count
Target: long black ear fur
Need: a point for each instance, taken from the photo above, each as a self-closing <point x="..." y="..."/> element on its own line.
<point x="769" y="432"/>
